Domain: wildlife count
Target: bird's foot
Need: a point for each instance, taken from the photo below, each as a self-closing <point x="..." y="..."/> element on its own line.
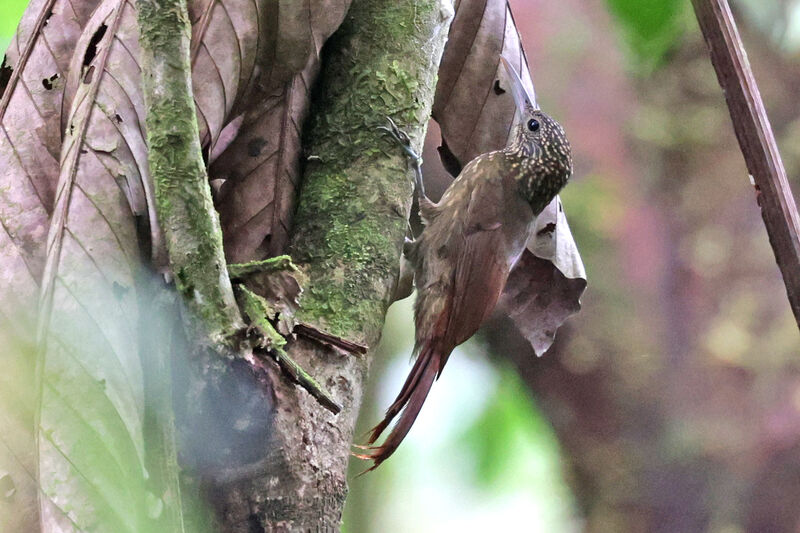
<point x="402" y="138"/>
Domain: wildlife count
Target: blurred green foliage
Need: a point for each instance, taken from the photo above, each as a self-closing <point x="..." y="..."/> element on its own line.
<point x="651" y="28"/>
<point x="10" y="13"/>
<point x="511" y="423"/>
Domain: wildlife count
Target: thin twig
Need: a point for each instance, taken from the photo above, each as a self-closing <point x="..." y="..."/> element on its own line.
<point x="756" y="140"/>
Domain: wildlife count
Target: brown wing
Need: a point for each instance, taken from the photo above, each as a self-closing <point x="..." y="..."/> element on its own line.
<point x="478" y="247"/>
<point x="482" y="266"/>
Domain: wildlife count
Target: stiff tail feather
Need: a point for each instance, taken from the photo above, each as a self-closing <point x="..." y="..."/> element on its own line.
<point x="409" y="401"/>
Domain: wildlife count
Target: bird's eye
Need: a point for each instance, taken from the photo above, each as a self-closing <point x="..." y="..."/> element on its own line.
<point x="533" y="125"/>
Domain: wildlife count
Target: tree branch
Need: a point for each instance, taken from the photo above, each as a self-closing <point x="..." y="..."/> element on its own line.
<point x="348" y="235"/>
<point x="191" y="227"/>
<point x="183" y="197"/>
<point x="756" y="140"/>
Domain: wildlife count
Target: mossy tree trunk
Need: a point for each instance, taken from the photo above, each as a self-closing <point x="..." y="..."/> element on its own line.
<point x="349" y="230"/>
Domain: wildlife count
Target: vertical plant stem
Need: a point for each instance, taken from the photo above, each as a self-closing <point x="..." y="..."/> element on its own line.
<point x="756" y="140"/>
<point x="191" y="225"/>
<point x="183" y="197"/>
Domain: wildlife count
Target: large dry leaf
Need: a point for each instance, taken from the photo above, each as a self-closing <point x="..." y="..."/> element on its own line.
<point x="30" y="107"/>
<point x="259" y="173"/>
<point x="227" y="37"/>
<point x="261" y="170"/>
<point x="38" y="57"/>
<point x="476" y="114"/>
<point x="30" y="141"/>
<point x="225" y="45"/>
<point x="91" y="448"/>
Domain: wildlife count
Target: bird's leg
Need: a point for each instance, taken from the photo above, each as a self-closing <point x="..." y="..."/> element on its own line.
<point x="402" y="138"/>
<point x="405" y="281"/>
<point x="405" y="278"/>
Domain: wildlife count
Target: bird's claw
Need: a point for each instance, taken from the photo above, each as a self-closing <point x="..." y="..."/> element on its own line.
<point x="401" y="138"/>
<point x="398" y="134"/>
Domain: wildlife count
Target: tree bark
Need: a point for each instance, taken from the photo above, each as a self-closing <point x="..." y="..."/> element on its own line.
<point x="348" y="235"/>
<point x="183" y="197"/>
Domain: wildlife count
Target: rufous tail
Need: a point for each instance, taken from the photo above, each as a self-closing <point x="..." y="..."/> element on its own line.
<point x="409" y="401"/>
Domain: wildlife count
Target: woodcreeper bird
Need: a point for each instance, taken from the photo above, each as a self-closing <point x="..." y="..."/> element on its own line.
<point x="471" y="240"/>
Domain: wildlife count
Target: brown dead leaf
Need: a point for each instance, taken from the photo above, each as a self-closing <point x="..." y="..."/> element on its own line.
<point x="476" y="114"/>
<point x="88" y="296"/>
<point x="30" y="108"/>
<point x="225" y="45"/>
<point x="30" y="140"/>
<point x="31" y="104"/>
<point x="261" y="168"/>
<point x="261" y="172"/>
<point x="544" y="288"/>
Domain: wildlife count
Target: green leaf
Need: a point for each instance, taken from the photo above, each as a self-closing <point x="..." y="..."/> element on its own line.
<point x="651" y="28"/>
<point x="10" y="13"/>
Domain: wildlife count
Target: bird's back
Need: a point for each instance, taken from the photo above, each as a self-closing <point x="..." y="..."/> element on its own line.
<point x="463" y="257"/>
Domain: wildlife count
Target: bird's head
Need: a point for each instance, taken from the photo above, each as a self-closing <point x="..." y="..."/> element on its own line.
<point x="539" y="151"/>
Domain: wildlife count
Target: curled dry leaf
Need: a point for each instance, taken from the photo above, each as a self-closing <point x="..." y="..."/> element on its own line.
<point x="32" y="87"/>
<point x="539" y="297"/>
<point x="261" y="169"/>
<point x="476" y="114"/>
<point x="474" y="111"/>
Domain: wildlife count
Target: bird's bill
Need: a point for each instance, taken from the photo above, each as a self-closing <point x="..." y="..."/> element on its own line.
<point x="525" y="100"/>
